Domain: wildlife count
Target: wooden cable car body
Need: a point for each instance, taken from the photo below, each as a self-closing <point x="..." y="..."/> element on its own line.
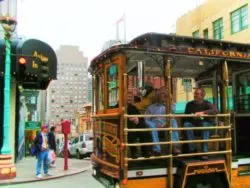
<point x="124" y="69"/>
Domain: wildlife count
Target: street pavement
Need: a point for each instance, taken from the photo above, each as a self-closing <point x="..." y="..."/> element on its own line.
<point x="26" y="170"/>
<point x="80" y="180"/>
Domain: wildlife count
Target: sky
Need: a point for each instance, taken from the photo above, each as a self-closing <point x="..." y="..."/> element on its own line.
<point x="90" y="23"/>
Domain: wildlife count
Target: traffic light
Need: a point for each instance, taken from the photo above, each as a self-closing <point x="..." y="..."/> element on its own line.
<point x="43" y="70"/>
<point x="22" y="65"/>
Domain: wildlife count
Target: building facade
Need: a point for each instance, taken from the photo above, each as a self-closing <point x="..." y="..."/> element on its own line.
<point x="84" y="119"/>
<point x="90" y="90"/>
<point x="218" y="20"/>
<point x="223" y="20"/>
<point x="69" y="92"/>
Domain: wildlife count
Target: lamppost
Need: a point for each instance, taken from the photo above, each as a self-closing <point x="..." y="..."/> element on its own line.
<point x="7" y="168"/>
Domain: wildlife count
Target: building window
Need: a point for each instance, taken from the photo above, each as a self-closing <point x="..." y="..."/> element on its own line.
<point x="205" y="33"/>
<point x="196" y="34"/>
<point x="239" y="19"/>
<point x="218" y="29"/>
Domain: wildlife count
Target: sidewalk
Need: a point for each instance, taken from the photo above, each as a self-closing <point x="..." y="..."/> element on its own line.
<point x="26" y="170"/>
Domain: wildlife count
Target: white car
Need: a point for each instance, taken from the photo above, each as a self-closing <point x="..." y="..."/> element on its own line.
<point x="81" y="146"/>
<point x="60" y="148"/>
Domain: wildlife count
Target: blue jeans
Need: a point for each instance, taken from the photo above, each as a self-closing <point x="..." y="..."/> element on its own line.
<point x="155" y="135"/>
<point x="42" y="157"/>
<point x="190" y="135"/>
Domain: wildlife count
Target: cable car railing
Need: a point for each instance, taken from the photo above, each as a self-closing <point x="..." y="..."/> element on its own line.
<point x="225" y="126"/>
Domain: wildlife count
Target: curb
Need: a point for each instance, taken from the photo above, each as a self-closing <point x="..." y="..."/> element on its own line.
<point x="13" y="181"/>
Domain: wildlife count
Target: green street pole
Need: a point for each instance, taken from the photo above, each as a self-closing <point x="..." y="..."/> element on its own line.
<point x="8" y="26"/>
<point x="6" y="149"/>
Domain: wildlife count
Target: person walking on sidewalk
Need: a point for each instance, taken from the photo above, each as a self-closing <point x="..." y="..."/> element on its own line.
<point x="42" y="146"/>
<point x="52" y="144"/>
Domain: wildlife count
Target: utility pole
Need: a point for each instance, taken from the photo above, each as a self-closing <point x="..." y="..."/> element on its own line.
<point x="117" y="32"/>
<point x="122" y="19"/>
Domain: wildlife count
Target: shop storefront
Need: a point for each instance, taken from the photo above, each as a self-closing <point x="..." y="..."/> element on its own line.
<point x="36" y="70"/>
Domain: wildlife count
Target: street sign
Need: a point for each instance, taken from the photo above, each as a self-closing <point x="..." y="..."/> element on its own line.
<point x="187" y="83"/>
<point x="188" y="88"/>
<point x="32" y="125"/>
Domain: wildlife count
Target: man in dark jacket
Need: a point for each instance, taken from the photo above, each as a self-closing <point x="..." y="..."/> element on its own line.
<point x="42" y="150"/>
<point x="135" y="123"/>
<point x="199" y="107"/>
<point x="52" y="143"/>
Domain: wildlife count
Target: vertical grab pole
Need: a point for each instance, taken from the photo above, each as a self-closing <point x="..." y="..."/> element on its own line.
<point x="168" y="111"/>
<point x="225" y="110"/>
<point x="125" y="139"/>
<point x="93" y="110"/>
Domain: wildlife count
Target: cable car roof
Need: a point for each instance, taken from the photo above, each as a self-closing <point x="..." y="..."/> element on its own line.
<point x="188" y="53"/>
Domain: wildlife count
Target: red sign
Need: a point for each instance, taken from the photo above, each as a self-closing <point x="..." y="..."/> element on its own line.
<point x="66" y="127"/>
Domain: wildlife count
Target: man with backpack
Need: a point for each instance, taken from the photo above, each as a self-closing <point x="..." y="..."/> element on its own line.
<point x="42" y="150"/>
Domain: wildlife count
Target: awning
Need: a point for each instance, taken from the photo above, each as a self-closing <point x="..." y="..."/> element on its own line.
<point x="34" y="51"/>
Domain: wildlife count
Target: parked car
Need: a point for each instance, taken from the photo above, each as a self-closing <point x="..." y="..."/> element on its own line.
<point x="60" y="148"/>
<point x="81" y="146"/>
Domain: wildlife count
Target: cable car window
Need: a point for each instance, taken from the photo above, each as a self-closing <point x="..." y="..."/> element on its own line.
<point x="242" y="98"/>
<point x="112" y="86"/>
<point x="100" y="92"/>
